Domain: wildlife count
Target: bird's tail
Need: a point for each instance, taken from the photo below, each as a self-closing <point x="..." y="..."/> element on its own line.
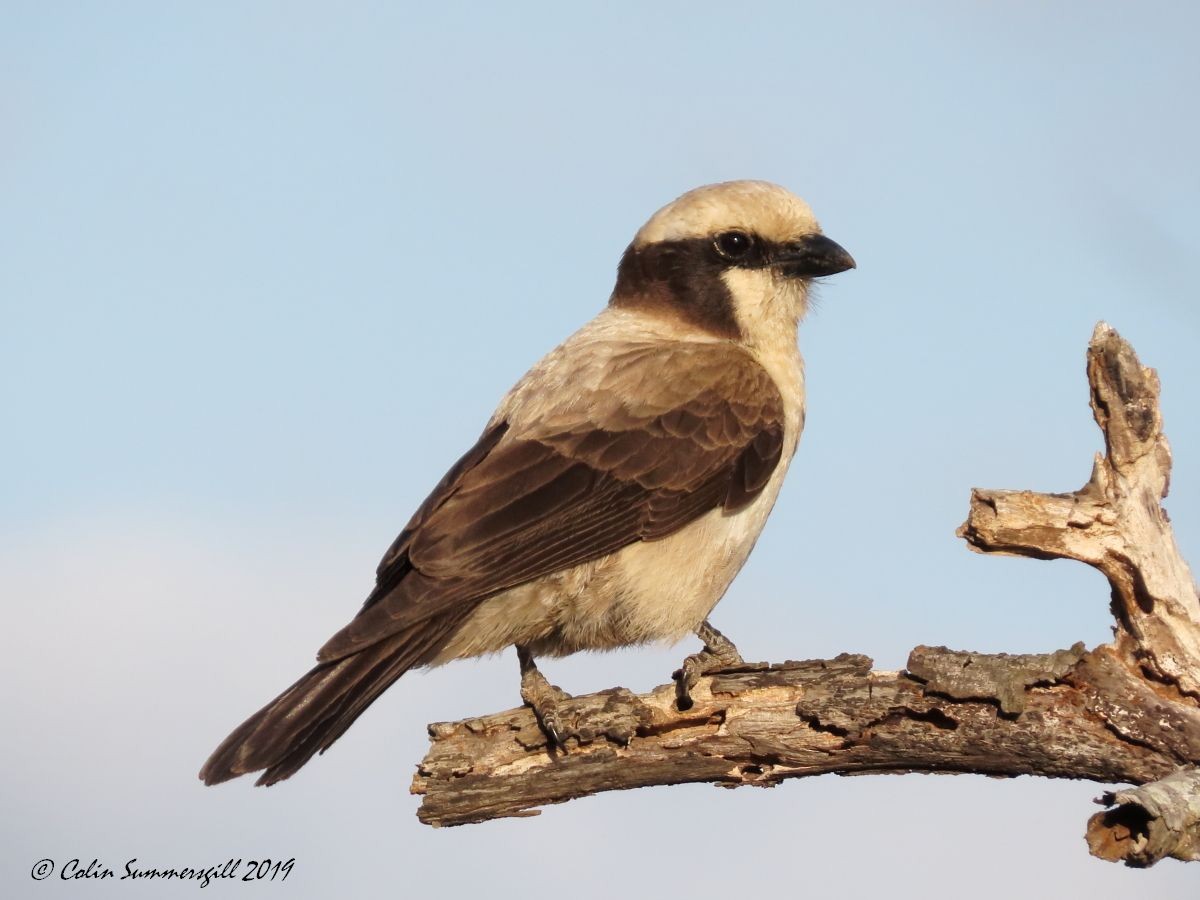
<point x="315" y="711"/>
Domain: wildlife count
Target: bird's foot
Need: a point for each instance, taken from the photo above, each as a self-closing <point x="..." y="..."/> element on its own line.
<point x="718" y="654"/>
<point x="548" y="701"/>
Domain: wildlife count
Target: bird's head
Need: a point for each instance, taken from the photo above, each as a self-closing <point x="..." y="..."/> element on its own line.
<point x="734" y="260"/>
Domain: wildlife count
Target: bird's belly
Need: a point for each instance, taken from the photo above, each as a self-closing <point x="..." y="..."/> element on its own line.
<point x="662" y="590"/>
<point x="658" y="590"/>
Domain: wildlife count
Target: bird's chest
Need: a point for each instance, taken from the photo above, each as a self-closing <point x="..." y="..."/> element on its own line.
<point x="663" y="589"/>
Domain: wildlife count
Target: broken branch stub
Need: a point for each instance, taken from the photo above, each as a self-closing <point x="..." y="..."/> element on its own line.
<point x="1149" y="823"/>
<point x="1115" y="522"/>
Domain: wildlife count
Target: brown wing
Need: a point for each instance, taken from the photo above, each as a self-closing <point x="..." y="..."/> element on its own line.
<point x="580" y="486"/>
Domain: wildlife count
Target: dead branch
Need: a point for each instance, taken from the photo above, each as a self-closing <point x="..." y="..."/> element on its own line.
<point x="1125" y="712"/>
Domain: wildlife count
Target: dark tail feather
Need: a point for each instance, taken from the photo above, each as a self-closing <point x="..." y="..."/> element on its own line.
<point x="315" y="711"/>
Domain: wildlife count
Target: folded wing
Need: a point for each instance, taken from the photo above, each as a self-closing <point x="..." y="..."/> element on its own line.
<point x="591" y="475"/>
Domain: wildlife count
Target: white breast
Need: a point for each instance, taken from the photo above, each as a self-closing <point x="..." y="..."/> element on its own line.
<point x="662" y="590"/>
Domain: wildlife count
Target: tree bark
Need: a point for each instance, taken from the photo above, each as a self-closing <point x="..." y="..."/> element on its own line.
<point x="1124" y="712"/>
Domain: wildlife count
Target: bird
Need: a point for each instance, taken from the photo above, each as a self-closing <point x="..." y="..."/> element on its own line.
<point x="614" y="494"/>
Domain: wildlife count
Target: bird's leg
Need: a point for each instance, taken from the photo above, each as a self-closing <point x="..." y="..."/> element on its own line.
<point x="546" y="700"/>
<point x="718" y="653"/>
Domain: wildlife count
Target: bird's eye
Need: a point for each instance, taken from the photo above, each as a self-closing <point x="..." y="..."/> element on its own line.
<point x="733" y="244"/>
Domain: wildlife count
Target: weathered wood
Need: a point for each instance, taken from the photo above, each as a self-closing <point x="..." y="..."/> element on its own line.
<point x="1150" y="822"/>
<point x="1125" y="712"/>
<point x="786" y="721"/>
<point x="1114" y="522"/>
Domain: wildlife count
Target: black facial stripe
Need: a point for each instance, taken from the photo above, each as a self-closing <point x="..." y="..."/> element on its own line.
<point x="683" y="276"/>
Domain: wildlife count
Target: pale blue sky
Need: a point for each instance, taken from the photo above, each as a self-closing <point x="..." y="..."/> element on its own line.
<point x="265" y="269"/>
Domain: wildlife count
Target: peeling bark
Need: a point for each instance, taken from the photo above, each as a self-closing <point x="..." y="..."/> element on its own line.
<point x="1149" y="823"/>
<point x="1125" y="712"/>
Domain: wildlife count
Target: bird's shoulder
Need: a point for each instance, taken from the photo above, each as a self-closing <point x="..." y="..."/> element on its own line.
<point x="622" y="371"/>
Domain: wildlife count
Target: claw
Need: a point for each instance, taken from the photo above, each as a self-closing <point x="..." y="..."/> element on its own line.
<point x="718" y="653"/>
<point x="546" y="701"/>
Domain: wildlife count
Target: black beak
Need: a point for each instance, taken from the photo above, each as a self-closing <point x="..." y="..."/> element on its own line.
<point x="812" y="256"/>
